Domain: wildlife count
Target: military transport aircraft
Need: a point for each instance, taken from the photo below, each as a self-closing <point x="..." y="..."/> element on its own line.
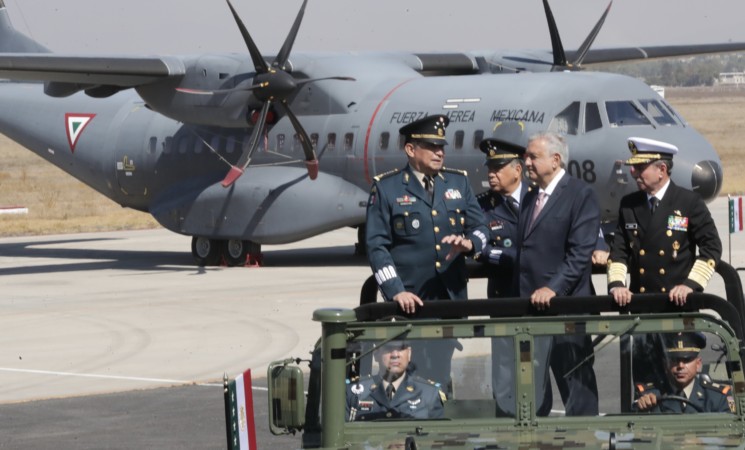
<point x="240" y="150"/>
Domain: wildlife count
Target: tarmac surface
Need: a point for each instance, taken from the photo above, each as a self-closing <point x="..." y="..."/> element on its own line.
<point x="118" y="341"/>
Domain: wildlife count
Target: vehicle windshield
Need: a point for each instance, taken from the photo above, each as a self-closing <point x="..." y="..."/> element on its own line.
<point x="499" y="364"/>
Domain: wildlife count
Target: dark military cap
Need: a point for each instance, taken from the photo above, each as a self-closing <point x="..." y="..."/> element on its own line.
<point x="499" y="153"/>
<point x="429" y="129"/>
<point x="684" y="345"/>
<point x="645" y="151"/>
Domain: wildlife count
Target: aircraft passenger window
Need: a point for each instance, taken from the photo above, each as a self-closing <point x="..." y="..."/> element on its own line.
<point x="384" y="138"/>
<point x="183" y="145"/>
<point x="280" y="142"/>
<point x="460" y="136"/>
<point x="401" y="141"/>
<point x="168" y="144"/>
<point x="659" y="113"/>
<point x="478" y="136"/>
<point x="153" y="144"/>
<point x="348" y="142"/>
<point x="331" y="143"/>
<point x="215" y="143"/>
<point x="314" y="140"/>
<point x="567" y="121"/>
<point x="296" y="147"/>
<point x="592" y="117"/>
<point x="625" y="113"/>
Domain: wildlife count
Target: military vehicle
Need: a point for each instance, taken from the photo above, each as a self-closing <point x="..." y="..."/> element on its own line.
<point x="472" y="418"/>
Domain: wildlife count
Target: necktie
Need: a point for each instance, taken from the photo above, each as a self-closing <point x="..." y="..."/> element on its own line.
<point x="653" y="202"/>
<point x="429" y="186"/>
<point x="512" y="204"/>
<point x="390" y="391"/>
<point x="538" y="207"/>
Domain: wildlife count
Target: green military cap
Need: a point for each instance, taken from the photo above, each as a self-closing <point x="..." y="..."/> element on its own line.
<point x="428" y="129"/>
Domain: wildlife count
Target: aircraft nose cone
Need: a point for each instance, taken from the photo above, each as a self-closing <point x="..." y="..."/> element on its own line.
<point x="707" y="179"/>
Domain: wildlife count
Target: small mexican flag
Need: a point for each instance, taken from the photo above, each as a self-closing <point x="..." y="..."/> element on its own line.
<point x="239" y="412"/>
<point x="735" y="215"/>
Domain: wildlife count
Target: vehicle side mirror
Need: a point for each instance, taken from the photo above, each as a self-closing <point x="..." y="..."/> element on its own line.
<point x="286" y="398"/>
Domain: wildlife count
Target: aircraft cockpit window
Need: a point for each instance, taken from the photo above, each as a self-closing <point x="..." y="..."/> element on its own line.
<point x="478" y="136"/>
<point x="331" y="143"/>
<point x="624" y="113"/>
<point x="348" y="142"/>
<point x="592" y="117"/>
<point x="460" y="136"/>
<point x="385" y="137"/>
<point x="567" y="121"/>
<point x="658" y="112"/>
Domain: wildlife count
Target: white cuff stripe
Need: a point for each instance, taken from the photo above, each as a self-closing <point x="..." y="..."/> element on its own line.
<point x="385" y="274"/>
<point x="481" y="236"/>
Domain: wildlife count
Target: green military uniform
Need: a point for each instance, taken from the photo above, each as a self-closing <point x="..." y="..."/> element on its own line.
<point x="705" y="397"/>
<point x="415" y="398"/>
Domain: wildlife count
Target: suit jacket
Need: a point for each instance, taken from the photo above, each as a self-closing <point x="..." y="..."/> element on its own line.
<point x="556" y="252"/>
<point x="405" y="229"/>
<point x="706" y="396"/>
<point x="659" y="250"/>
<point x="500" y="252"/>
<point x="415" y="398"/>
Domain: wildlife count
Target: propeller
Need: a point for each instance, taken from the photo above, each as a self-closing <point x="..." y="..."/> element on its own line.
<point x="560" y="59"/>
<point x="272" y="84"/>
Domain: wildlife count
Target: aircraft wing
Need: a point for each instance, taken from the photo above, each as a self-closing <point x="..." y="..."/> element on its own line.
<point x="124" y="72"/>
<point x="637" y="53"/>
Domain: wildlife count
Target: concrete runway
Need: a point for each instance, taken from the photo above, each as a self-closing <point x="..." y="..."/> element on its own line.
<point x="116" y="340"/>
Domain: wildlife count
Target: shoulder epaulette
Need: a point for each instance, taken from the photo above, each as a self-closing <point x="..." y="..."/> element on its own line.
<point x="458" y="171"/>
<point x="385" y="174"/>
<point x="721" y="388"/>
<point x="484" y="194"/>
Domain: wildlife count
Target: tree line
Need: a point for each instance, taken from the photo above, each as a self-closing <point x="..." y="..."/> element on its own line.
<point x="690" y="71"/>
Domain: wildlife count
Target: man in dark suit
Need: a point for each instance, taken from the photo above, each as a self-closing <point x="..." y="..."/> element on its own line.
<point x="686" y="393"/>
<point x="557" y="233"/>
<point x="658" y="248"/>
<point x="393" y="392"/>
<point x="422" y="220"/>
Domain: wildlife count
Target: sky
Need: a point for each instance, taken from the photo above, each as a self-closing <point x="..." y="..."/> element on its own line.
<point x="159" y="27"/>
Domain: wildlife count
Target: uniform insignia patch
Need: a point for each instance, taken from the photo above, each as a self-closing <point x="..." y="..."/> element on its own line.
<point x="405" y="200"/>
<point x="496" y="225"/>
<point x="508" y="242"/>
<point x="414" y="402"/>
<point x="452" y="222"/>
<point x="410" y="388"/>
<point x="631" y="226"/>
<point x="357" y="389"/>
<point x="366" y="405"/>
<point x="677" y="223"/>
<point x="415" y="224"/>
<point x="452" y="194"/>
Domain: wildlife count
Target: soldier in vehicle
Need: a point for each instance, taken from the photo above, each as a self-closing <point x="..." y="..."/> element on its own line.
<point x="665" y="240"/>
<point x="394" y="392"/>
<point x="687" y="392"/>
<point x="422" y="221"/>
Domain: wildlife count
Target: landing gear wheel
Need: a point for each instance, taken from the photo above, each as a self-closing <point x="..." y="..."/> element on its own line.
<point x="235" y="252"/>
<point x="206" y="252"/>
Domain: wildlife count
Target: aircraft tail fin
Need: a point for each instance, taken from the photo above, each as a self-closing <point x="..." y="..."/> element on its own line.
<point x="11" y="40"/>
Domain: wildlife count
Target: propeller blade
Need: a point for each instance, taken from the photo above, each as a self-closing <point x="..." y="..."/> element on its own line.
<point x="220" y="91"/>
<point x="284" y="52"/>
<point x="248" y="149"/>
<point x="582" y="52"/>
<point x="312" y="80"/>
<point x="311" y="162"/>
<point x="258" y="60"/>
<point x="560" y="58"/>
